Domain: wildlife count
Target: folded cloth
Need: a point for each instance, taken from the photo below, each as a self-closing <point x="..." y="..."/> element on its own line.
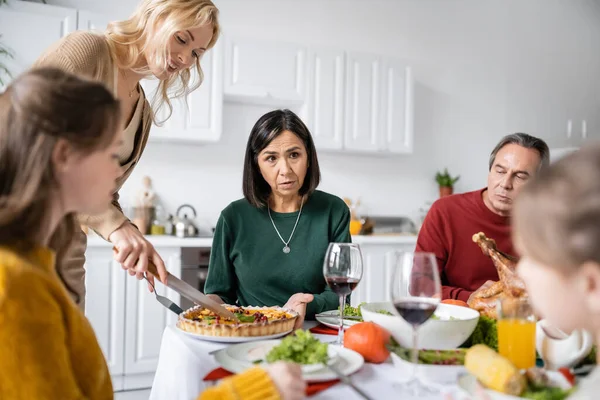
<point x="324" y="330"/>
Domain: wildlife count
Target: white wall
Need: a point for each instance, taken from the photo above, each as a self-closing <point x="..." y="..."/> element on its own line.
<point x="483" y="68"/>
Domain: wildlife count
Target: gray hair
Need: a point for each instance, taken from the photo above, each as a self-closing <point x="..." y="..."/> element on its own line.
<point x="523" y="140"/>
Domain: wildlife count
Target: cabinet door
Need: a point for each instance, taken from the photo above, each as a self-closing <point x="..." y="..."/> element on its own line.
<point x="264" y="72"/>
<point x="363" y="102"/>
<point x="378" y="268"/>
<point x="374" y="286"/>
<point x="325" y="101"/>
<point x="199" y="118"/>
<point x="89" y="21"/>
<point x="27" y="29"/>
<point x="105" y="304"/>
<point x="397" y="110"/>
<point x="147" y="318"/>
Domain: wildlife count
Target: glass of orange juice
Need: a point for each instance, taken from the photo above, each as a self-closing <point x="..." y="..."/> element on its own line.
<point x="516" y="332"/>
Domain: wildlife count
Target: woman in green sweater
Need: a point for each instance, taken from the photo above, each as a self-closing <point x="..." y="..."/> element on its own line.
<point x="269" y="246"/>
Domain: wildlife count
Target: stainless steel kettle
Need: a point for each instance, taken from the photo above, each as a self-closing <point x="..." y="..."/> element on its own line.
<point x="185" y="227"/>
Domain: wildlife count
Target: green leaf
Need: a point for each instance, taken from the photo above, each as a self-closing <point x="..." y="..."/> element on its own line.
<point x="244" y="317"/>
<point x="444" y="179"/>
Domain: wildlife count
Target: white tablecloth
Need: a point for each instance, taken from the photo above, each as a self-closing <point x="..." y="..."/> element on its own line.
<point x="184" y="361"/>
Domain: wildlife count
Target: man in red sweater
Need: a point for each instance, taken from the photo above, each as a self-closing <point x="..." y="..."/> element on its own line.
<point x="453" y="220"/>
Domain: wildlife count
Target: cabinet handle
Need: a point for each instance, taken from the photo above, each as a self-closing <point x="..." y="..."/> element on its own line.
<point x="584" y="129"/>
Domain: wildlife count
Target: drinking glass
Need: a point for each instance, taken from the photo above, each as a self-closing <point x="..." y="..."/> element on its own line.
<point x="342" y="269"/>
<point x="516" y="331"/>
<point x="416" y="292"/>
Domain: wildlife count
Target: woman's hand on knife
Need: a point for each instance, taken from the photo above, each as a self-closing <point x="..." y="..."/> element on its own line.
<point x="134" y="252"/>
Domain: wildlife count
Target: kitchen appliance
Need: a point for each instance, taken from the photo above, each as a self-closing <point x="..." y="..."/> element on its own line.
<point x="390" y="226"/>
<point x="194" y="270"/>
<point x="185" y="227"/>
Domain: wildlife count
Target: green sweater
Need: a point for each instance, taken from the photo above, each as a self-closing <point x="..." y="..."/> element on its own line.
<point x="247" y="262"/>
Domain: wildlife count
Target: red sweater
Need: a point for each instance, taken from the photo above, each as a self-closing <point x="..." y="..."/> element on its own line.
<point x="447" y="232"/>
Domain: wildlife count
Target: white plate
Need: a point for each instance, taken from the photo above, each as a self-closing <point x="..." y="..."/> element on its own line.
<point x="468" y="383"/>
<point x="330" y="319"/>
<point x="250" y="353"/>
<point x="348" y="362"/>
<point x="233" y="339"/>
<point x="440" y="374"/>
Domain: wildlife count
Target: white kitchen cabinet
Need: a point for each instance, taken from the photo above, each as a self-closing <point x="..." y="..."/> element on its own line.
<point x="199" y="118"/>
<point x="325" y="100"/>
<point x="265" y="72"/>
<point x="127" y="319"/>
<point x="378" y="267"/>
<point x="379" y="105"/>
<point x="17" y="19"/>
<point x="397" y="110"/>
<point x="90" y="21"/>
<point x="363" y="102"/>
<point x="105" y="305"/>
<point x="147" y="318"/>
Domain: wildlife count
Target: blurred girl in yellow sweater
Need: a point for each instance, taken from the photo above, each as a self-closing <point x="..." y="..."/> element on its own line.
<point x="59" y="144"/>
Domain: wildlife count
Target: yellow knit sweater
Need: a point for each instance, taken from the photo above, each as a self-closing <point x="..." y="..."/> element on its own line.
<point x="48" y="349"/>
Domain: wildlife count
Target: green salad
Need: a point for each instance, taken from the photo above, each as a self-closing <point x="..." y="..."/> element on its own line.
<point x="430" y="357"/>
<point x="549" y="393"/>
<point x="300" y="348"/>
<point x="350" y="311"/>
<point x="485" y="332"/>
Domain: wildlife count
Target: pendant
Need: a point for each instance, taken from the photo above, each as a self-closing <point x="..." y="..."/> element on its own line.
<point x="286" y="249"/>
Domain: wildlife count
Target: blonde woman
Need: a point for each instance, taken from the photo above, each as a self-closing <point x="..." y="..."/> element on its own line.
<point x="163" y="39"/>
<point x="59" y="145"/>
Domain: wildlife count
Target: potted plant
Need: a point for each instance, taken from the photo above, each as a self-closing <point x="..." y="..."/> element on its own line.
<point x="4" y="52"/>
<point x="445" y="182"/>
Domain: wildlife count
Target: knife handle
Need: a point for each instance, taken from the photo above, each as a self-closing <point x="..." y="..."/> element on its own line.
<point x="151" y="267"/>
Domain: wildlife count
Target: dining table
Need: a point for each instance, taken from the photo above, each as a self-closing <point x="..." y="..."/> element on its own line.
<point x="185" y="361"/>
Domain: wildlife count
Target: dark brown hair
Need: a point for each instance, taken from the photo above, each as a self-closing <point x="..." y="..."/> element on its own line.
<point x="557" y="214"/>
<point x="268" y="127"/>
<point x="36" y="110"/>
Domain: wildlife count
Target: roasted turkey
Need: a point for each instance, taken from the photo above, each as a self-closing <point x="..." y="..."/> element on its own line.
<point x="485" y="298"/>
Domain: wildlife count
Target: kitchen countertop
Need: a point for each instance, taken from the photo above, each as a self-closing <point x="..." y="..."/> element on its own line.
<point x="172" y="241"/>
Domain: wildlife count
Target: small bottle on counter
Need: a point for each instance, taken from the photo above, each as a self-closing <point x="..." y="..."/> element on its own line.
<point x="169" y="226"/>
<point x="158" y="226"/>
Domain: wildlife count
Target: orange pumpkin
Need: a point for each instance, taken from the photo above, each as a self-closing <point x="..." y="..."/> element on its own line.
<point x="455" y="302"/>
<point x="369" y="340"/>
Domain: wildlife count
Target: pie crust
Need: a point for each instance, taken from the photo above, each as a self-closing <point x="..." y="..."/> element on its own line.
<point x="278" y="320"/>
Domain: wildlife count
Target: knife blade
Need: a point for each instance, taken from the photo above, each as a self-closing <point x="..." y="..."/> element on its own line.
<point x="337" y="316"/>
<point x="193" y="294"/>
<point x="188" y="291"/>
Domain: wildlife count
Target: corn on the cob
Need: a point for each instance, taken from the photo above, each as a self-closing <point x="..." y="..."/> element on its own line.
<point x="494" y="371"/>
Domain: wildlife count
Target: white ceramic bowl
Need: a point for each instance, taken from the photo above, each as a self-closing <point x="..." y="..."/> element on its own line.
<point x="435" y="334"/>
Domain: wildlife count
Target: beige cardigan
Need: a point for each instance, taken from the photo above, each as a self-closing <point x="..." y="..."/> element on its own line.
<point x="87" y="54"/>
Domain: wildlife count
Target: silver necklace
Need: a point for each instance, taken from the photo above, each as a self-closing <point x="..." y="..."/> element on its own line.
<point x="286" y="248"/>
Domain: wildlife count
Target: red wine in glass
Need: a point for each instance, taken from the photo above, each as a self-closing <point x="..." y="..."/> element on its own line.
<point x="342" y="270"/>
<point x="415" y="312"/>
<point x="342" y="286"/>
<point x="416" y="291"/>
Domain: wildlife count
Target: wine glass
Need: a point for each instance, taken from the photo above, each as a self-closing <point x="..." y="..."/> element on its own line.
<point x="416" y="292"/>
<point x="342" y="269"/>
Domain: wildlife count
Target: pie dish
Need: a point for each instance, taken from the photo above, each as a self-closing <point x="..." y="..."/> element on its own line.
<point x="254" y="321"/>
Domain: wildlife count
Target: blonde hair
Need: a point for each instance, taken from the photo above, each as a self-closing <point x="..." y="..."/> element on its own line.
<point x="557" y="214"/>
<point x="36" y="110"/>
<point x="149" y="30"/>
